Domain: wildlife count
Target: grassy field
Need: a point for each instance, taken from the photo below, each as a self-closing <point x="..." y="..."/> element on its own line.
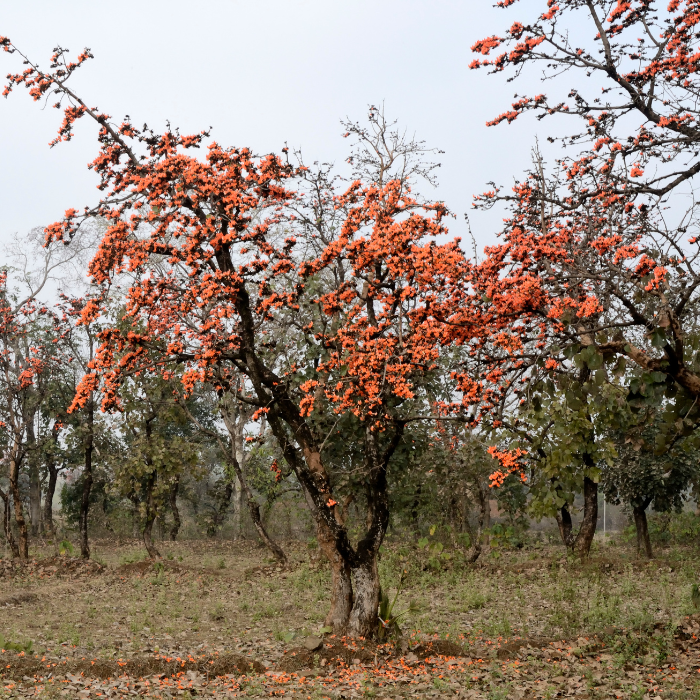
<point x="219" y="619"/>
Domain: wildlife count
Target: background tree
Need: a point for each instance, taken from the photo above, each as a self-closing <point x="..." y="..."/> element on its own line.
<point x="640" y="478"/>
<point x="158" y="449"/>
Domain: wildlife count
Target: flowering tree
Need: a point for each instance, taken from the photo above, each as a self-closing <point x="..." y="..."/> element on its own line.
<point x="592" y="252"/>
<point x="316" y="298"/>
<point x="596" y="272"/>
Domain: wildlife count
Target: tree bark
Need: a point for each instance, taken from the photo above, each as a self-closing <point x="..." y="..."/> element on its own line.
<point x="151" y="513"/>
<point x="7" y="524"/>
<point x="476" y="546"/>
<point x="342" y="598"/>
<point x="365" y="582"/>
<point x="565" y="525"/>
<point x="640" y="523"/>
<point x="580" y="544"/>
<point x="175" y="529"/>
<point x="17" y="502"/>
<point x="49" y="496"/>
<point x="224" y="503"/>
<point x="87" y="480"/>
<point x="237" y="497"/>
<point x="34" y="480"/>
<point x="586" y="532"/>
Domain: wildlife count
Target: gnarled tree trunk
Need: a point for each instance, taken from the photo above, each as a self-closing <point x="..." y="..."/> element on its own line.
<point x="565" y="525"/>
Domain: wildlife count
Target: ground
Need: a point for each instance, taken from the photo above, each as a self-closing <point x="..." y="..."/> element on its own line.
<point x="218" y="619"/>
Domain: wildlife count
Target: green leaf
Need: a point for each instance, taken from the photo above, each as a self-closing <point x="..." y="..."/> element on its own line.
<point x="658" y="338"/>
<point x="595" y="361"/>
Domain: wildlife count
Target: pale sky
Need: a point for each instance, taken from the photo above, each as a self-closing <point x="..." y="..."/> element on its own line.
<point x="262" y="73"/>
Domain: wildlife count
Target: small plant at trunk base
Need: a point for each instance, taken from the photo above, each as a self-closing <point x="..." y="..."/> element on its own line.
<point x="388" y="621"/>
<point x="65" y="548"/>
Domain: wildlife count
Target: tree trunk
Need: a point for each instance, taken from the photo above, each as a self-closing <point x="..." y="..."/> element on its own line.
<point x="34" y="480"/>
<point x="580" y="544"/>
<point x="342" y="598"/>
<point x="483" y="517"/>
<point x="237" y="509"/>
<point x="136" y="513"/>
<point x="640" y="523"/>
<point x="175" y="529"/>
<point x="19" y="511"/>
<point x="565" y="526"/>
<point x="365" y="583"/>
<point x="224" y="503"/>
<point x="7" y="524"/>
<point x="48" y="498"/>
<point x="254" y="510"/>
<point x="586" y="532"/>
<point x="87" y="481"/>
<point x="151" y="513"/>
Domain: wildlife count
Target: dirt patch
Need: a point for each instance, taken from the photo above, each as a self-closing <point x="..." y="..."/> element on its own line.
<point x="264" y="571"/>
<point x="334" y="653"/>
<point x="49" y="568"/>
<point x="439" y="647"/>
<point x="555" y="647"/>
<point x="150" y="566"/>
<point x="17" y="667"/>
<point x="19" y="599"/>
<point x="349" y="653"/>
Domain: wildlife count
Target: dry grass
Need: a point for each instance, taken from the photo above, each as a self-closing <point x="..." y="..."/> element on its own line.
<point x="226" y="602"/>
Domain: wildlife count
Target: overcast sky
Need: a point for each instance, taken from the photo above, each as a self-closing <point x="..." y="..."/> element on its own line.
<point x="261" y="73"/>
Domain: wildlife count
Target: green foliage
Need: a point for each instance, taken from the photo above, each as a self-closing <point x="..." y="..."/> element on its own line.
<point x="26" y="647"/>
<point x="101" y="495"/>
<point x="567" y="424"/>
<point x="388" y="619"/>
<point x="66" y="548"/>
<point x="503" y="537"/>
<point x="639" y="476"/>
<point x="437" y="557"/>
<point x="674" y="528"/>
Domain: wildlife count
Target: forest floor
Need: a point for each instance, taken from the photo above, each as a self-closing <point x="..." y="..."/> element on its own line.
<point x="218" y="619"/>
